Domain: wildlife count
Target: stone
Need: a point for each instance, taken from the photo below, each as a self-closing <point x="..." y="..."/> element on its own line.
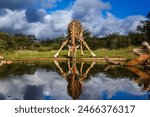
<point x="9" y="62"/>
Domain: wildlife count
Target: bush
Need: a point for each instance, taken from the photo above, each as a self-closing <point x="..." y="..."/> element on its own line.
<point x="119" y="42"/>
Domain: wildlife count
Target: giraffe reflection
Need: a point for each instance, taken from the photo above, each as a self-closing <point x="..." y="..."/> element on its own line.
<point x="74" y="77"/>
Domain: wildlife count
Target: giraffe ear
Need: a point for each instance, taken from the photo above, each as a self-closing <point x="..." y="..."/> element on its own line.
<point x="77" y="46"/>
<point x="69" y="46"/>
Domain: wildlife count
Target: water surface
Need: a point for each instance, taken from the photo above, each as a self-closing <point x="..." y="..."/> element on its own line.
<point x="55" y="80"/>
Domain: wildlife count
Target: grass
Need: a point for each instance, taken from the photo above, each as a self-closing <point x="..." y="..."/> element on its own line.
<point x="121" y="53"/>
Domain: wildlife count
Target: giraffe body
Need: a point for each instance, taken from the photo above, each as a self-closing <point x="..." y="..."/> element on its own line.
<point x="74" y="39"/>
<point x="75" y="32"/>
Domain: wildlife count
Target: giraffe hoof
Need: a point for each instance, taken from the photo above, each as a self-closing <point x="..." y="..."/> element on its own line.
<point x="94" y="55"/>
<point x="56" y="62"/>
<point x="55" y="56"/>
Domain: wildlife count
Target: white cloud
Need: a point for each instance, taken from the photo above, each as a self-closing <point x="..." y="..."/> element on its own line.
<point x="50" y="83"/>
<point x="130" y="23"/>
<point x="21" y="4"/>
<point x="111" y="87"/>
<point x="13" y="20"/>
<point x="89" y="12"/>
<point x="53" y="25"/>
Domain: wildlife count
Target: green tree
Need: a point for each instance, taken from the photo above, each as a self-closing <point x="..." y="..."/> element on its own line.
<point x="5" y="41"/>
<point x="116" y="41"/>
<point x="21" y="41"/>
<point x="144" y="27"/>
<point x="137" y="38"/>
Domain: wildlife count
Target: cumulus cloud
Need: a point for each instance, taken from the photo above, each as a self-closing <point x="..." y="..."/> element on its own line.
<point x="30" y="17"/>
<point x="35" y="15"/>
<point x="16" y="4"/>
<point x="130" y="23"/>
<point x="88" y="10"/>
<point x="13" y="20"/>
<point x="33" y="7"/>
<point x="111" y="24"/>
<point x="53" y="25"/>
<point x="22" y="4"/>
<point x="90" y="13"/>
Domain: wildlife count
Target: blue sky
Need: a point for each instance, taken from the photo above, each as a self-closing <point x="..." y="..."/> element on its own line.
<point x="123" y="8"/>
<point x="120" y="8"/>
<point x="49" y="18"/>
<point x="64" y="4"/>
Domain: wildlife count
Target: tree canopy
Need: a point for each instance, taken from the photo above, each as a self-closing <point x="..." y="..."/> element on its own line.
<point x="20" y="41"/>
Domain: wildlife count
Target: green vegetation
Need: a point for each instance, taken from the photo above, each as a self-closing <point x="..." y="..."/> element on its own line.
<point x="112" y="45"/>
<point x="18" y="54"/>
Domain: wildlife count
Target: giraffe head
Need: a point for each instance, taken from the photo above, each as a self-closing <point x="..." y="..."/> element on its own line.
<point x="73" y="49"/>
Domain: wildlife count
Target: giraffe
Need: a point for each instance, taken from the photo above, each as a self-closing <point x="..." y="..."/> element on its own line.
<point x="74" y="39"/>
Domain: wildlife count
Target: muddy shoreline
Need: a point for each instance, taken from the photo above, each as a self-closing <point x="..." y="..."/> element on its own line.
<point x="78" y="59"/>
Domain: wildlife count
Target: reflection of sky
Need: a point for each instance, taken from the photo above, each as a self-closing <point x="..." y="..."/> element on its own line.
<point x="102" y="87"/>
<point x="49" y="85"/>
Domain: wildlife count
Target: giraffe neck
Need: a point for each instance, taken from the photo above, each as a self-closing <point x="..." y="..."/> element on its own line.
<point x="73" y="34"/>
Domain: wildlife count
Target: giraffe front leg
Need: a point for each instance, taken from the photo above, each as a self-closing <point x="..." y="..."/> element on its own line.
<point x="81" y="68"/>
<point x="63" y="44"/>
<point x="60" y="69"/>
<point x="86" y="45"/>
<point x="69" y="51"/>
<point x="81" y="46"/>
<point x="88" y="70"/>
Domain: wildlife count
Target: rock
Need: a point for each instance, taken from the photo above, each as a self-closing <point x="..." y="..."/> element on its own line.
<point x="9" y="62"/>
<point x="3" y="61"/>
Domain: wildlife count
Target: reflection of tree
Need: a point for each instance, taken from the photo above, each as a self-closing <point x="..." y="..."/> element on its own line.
<point x="143" y="77"/>
<point x="74" y="77"/>
<point x="117" y="71"/>
<point x="22" y="68"/>
<point x="16" y="69"/>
